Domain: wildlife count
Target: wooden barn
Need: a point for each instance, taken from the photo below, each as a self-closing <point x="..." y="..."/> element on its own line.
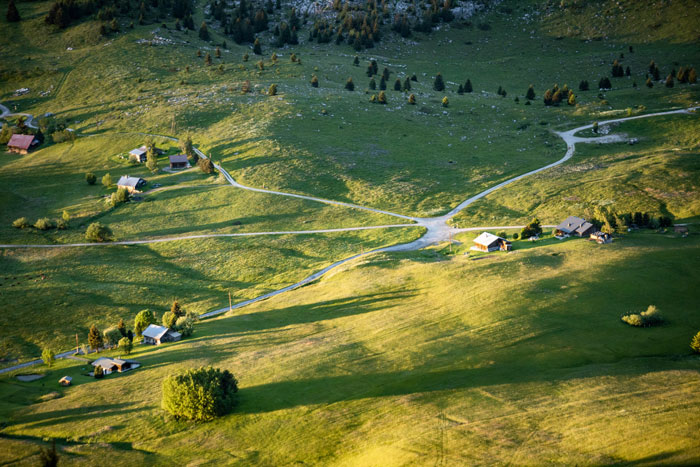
<point x="132" y="184"/>
<point x="490" y="242"/>
<point x="138" y="154"/>
<point x="22" y="144"/>
<point x="178" y="161"/>
<point x="156" y="335"/>
<point x="575" y="226"/>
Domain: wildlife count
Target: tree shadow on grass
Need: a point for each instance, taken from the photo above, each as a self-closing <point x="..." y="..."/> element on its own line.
<point x="77" y="414"/>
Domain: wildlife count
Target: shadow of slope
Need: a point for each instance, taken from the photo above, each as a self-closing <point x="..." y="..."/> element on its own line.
<point x="329" y="390"/>
<point x="76" y="414"/>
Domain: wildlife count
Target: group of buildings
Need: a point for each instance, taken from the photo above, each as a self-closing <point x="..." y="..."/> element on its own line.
<point x="177" y="161"/>
<point x="572" y="226"/>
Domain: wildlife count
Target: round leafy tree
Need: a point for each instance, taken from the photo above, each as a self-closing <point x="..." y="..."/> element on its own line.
<point x="201" y="394"/>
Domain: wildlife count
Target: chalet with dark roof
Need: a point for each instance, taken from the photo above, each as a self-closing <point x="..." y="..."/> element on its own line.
<point x="178" y="161"/>
<point x="131" y="184"/>
<point x="575" y="226"/>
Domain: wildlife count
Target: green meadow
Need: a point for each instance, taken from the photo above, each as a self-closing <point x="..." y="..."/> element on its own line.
<point x="412" y="358"/>
<point x="440" y="356"/>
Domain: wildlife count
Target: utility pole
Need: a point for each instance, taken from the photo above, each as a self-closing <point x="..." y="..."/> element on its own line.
<point x="77" y="344"/>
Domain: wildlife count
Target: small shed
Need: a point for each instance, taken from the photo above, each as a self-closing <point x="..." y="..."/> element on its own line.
<point x="178" y="161"/>
<point x="680" y="229"/>
<point x="22" y="144"/>
<point x="601" y="237"/>
<point x="132" y="184"/>
<point x="490" y="242"/>
<point x="138" y="154"/>
<point x="574" y="226"/>
<point x="156" y="335"/>
<point x="65" y="381"/>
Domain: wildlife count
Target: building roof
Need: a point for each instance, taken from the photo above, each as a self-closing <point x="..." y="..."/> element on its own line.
<point x="584" y="227"/>
<point x="134" y="182"/>
<point x="155" y="332"/>
<point x="21" y="141"/>
<point x="174" y="334"/>
<point x="105" y="362"/>
<point x="178" y="158"/>
<point x="487" y="239"/>
<point x="571" y="224"/>
<point x="138" y="151"/>
<point x="66" y="378"/>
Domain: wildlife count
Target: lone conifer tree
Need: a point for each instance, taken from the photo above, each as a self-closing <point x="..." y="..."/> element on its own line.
<point x="372" y="84"/>
<point x="439" y="84"/>
<point x="12" y="12"/>
<point x="381" y="98"/>
<point x="94" y="338"/>
<point x="356" y="61"/>
<point x="207" y="59"/>
<point x="445" y="102"/>
<point x="468" y="86"/>
<point x="204" y="32"/>
<point x="257" y="48"/>
<point x="650" y="84"/>
<point x="382" y="84"/>
<point x="397" y="85"/>
<point x="412" y="99"/>
<point x="530" y="94"/>
<point x="669" y="81"/>
<point x="349" y="85"/>
<point x="692" y="76"/>
<point x="407" y="84"/>
<point x="314" y="81"/>
<point x="460" y="89"/>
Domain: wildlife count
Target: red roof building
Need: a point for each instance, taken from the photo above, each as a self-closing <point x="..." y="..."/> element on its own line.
<point x="21" y="144"/>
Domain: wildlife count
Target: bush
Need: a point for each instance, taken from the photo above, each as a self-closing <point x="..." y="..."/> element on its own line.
<point x="44" y="224"/>
<point x="48" y="357"/>
<point x="206" y="165"/>
<point x="112" y="336"/>
<point x="648" y="318"/>
<point x="90" y="178"/>
<point x="381" y="98"/>
<point x="107" y="180"/>
<point x="125" y="345"/>
<point x="169" y="319"/>
<point x="349" y="85"/>
<point x="98" y="372"/>
<point x="96" y="232"/>
<point x="119" y="197"/>
<point x="695" y="343"/>
<point x="439" y="84"/>
<point x="21" y="223"/>
<point x="314" y="81"/>
<point x="516" y="236"/>
<point x="445" y="102"/>
<point x="185" y="325"/>
<point x="143" y="319"/>
<point x="273" y="90"/>
<point x="412" y="99"/>
<point x="531" y="229"/>
<point x="202" y="394"/>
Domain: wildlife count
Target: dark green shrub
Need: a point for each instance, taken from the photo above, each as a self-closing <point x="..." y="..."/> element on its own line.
<point x="90" y="178"/>
<point x="125" y="345"/>
<point x="96" y="232"/>
<point x="314" y="81"/>
<point x="98" y="372"/>
<point x="206" y="165"/>
<point x="142" y="320"/>
<point x="439" y="83"/>
<point x="349" y="85"/>
<point x="202" y="394"/>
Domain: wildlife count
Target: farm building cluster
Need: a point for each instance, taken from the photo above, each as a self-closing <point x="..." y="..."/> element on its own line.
<point x="572" y="226"/>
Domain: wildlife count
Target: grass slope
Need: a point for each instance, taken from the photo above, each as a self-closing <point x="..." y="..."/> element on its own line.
<point x="417" y="359"/>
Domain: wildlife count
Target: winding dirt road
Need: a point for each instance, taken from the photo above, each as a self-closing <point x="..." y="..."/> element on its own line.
<point x="437" y="229"/>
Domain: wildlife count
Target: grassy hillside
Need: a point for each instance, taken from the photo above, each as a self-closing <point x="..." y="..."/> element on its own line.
<point x="659" y="175"/>
<point x="415" y="358"/>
